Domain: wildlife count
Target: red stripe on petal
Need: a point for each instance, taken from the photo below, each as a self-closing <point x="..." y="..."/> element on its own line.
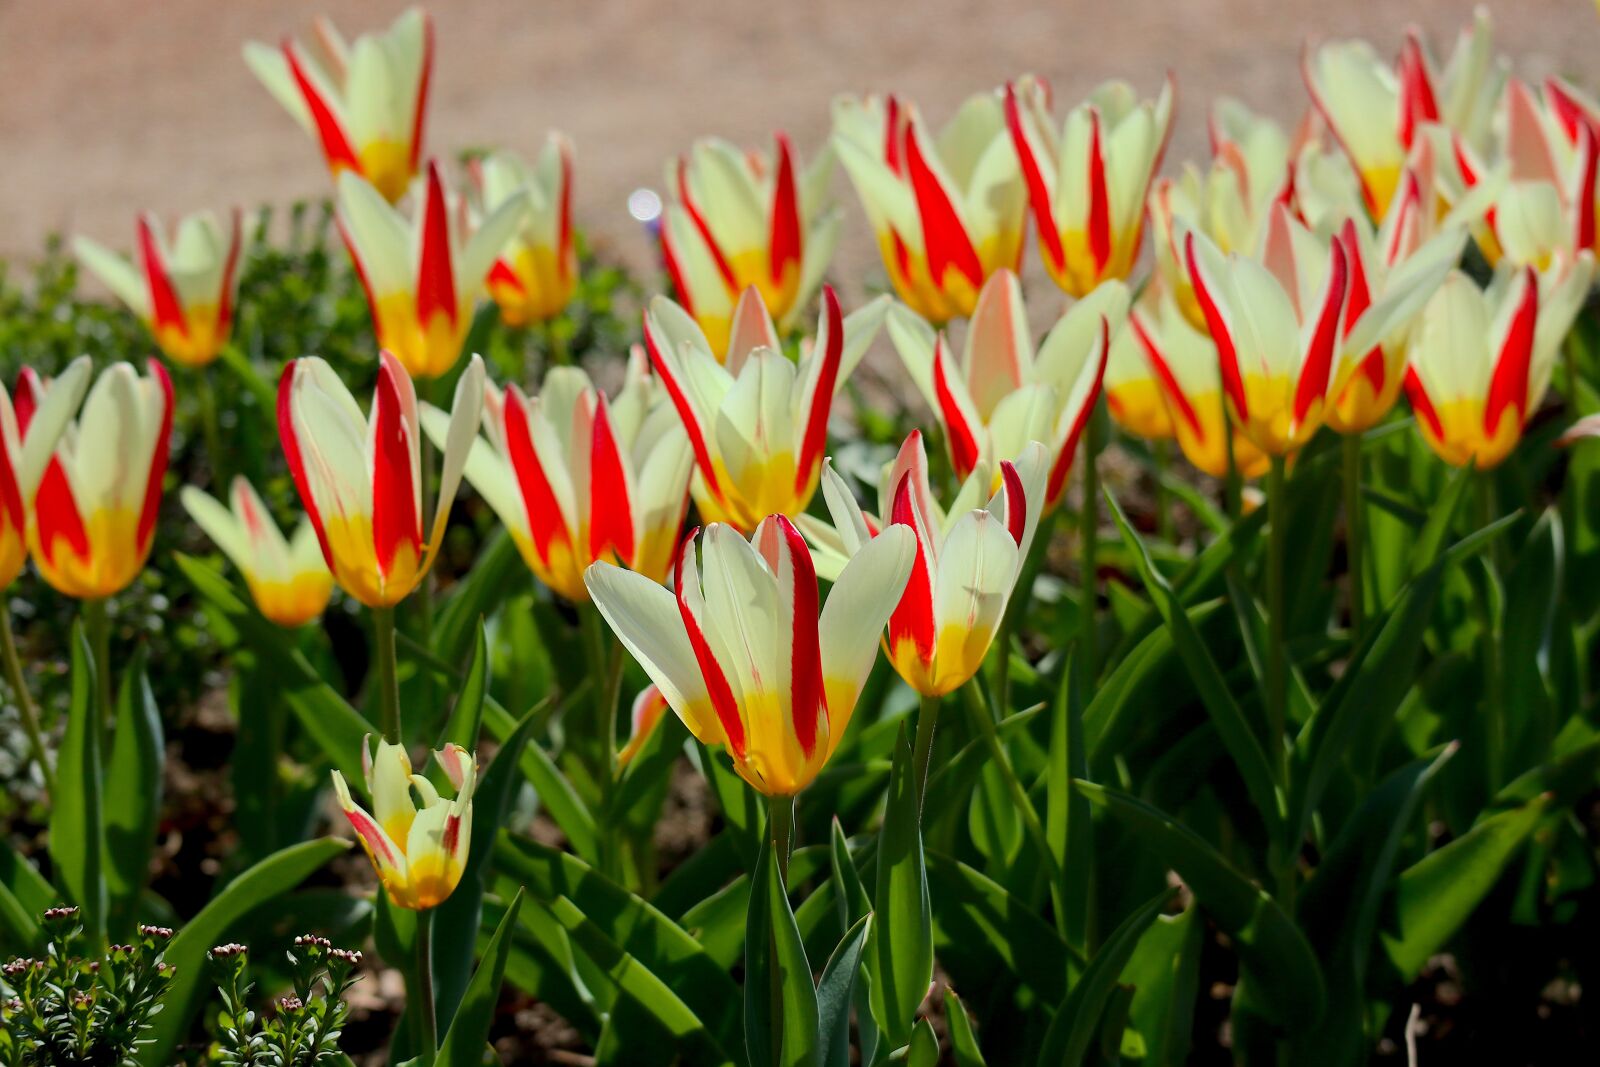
<point x="335" y="142"/>
<point x="913" y="617"/>
<point x="1583" y="201"/>
<point x="704" y="228"/>
<point x="944" y="236"/>
<point x="1038" y="194"/>
<point x="1509" y="387"/>
<point x="546" y="525"/>
<point x="395" y="519"/>
<point x="1568" y="110"/>
<point x="891" y="135"/>
<point x="675" y="272"/>
<point x="784" y="242"/>
<point x="1016" y="501"/>
<point x="10" y="492"/>
<point x="291" y="452"/>
<point x="1099" y="198"/>
<point x="501" y="274"/>
<point x="436" y="280"/>
<point x="363" y="825"/>
<point x="166" y="310"/>
<point x="815" y="440"/>
<point x="1163" y="372"/>
<point x="1058" y="473"/>
<point x="26" y="400"/>
<point x="610" y="510"/>
<point x="686" y="412"/>
<point x="805" y="669"/>
<point x="717" y="687"/>
<point x="158" y="459"/>
<point x="1421" y="403"/>
<point x="56" y="511"/>
<point x="361" y="271"/>
<point x="1227" y="354"/>
<point x="963" y="441"/>
<point x="229" y="269"/>
<point x="1316" y="373"/>
<point x="424" y="81"/>
<point x="1417" y="102"/>
<point x="564" y="225"/>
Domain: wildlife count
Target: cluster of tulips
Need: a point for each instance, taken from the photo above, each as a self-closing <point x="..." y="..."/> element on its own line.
<point x="1429" y="229"/>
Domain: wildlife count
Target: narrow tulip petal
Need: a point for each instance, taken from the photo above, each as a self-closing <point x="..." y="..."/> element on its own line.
<point x="436" y="280"/>
<point x="949" y="247"/>
<point x="166" y="310"/>
<point x="1509" y="386"/>
<point x="816" y="397"/>
<point x="319" y="103"/>
<point x="44" y="424"/>
<point x="999" y="350"/>
<point x="219" y="525"/>
<point x="396" y="518"/>
<point x="1038" y="188"/>
<point x="751" y="328"/>
<point x="1316" y="373"/>
<point x="1205" y="269"/>
<point x="912" y="621"/>
<point x="961" y="421"/>
<point x="784" y="240"/>
<point x="116" y="273"/>
<point x="798" y="652"/>
<point x="466" y="415"/>
<point x="381" y="849"/>
<point x="976" y="573"/>
<point x="853" y="619"/>
<point x="611" y="519"/>
<point x="718" y="688"/>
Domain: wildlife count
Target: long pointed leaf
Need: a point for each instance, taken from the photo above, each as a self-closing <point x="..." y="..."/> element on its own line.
<point x="77" y="826"/>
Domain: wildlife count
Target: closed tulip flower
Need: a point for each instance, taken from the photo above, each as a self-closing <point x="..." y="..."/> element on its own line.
<point x="364" y="102"/>
<point x="967" y="564"/>
<point x="419" y="850"/>
<point x="29" y="433"/>
<point x="182" y="292"/>
<point x="1088" y="178"/>
<point x="360" y="477"/>
<point x="758" y="424"/>
<point x="1002" y="395"/>
<point x="288" y="578"/>
<point x="577" y="478"/>
<point x="422" y="276"/>
<point x="741" y="652"/>
<point x="948" y="211"/>
<point x="536" y="272"/>
<point x="1481" y="361"/>
<point x="741" y="219"/>
<point x="94" y="516"/>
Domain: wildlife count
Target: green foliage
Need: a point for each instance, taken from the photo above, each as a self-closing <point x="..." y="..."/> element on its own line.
<point x="304" y="1027"/>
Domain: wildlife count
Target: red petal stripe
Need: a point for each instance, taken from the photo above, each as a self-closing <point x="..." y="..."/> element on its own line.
<point x="815" y="440"/>
<point x="335" y="143"/>
<point x="546" y="525"/>
<point x="700" y="224"/>
<point x="610" y="511"/>
<point x="674" y="272"/>
<point x="1163" y="371"/>
<point x="944" y="236"/>
<point x="56" y="511"/>
<point x="1016" y="501"/>
<point x="10" y="492"/>
<point x="1358" y="299"/>
<point x="229" y="268"/>
<point x="502" y="274"/>
<point x="913" y="616"/>
<point x="1316" y="373"/>
<point x="891" y="136"/>
<point x="1417" y="393"/>
<point x="26" y="401"/>
<point x="1509" y="386"/>
<point x="564" y="237"/>
<point x="395" y="520"/>
<point x="963" y="442"/>
<point x="436" y="281"/>
<point x="158" y="459"/>
<point x="1058" y="474"/>
<point x="291" y="452"/>
<point x="686" y="411"/>
<point x="1038" y="194"/>
<point x="1584" y="225"/>
<point x="423" y="83"/>
<point x="371" y="834"/>
<point x="1227" y="354"/>
<point x="784" y="247"/>
<point x="165" y="307"/>
<point x="806" y="700"/>
<point x="717" y="687"/>
<point x="1099" y="199"/>
<point x="1417" y="103"/>
<point x="361" y="271"/>
<point x="1572" y="114"/>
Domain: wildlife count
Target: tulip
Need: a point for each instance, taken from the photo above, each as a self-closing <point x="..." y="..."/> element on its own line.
<point x="1275" y="321"/>
<point x="648" y="707"/>
<point x="1481" y="361"/>
<point x="288" y="579"/>
<point x="758" y="424"/>
<point x="740" y="219"/>
<point x="741" y="652"/>
<point x="947" y="213"/>
<point x="94" y="516"/>
<point x="967" y="563"/>
<point x="421" y="278"/>
<point x="360" y="479"/>
<point x="1088" y="184"/>
<point x="420" y="852"/>
<point x="536" y="273"/>
<point x="1160" y="359"/>
<point x="576" y="478"/>
<point x="29" y="433"/>
<point x="182" y="292"/>
<point x="1002" y="395"/>
<point x="364" y="102"/>
<point x="1376" y="112"/>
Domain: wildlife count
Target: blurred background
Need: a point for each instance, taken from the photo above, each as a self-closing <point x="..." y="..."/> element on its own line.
<point x="110" y="108"/>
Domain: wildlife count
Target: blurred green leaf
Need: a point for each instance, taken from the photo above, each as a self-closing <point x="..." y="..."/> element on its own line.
<point x="836" y="994"/>
<point x="963" y="1045"/>
<point x="1164" y="971"/>
<point x="781" y="1017"/>
<point x="133" y="796"/>
<point x="77" y="823"/>
<point x="900" y="950"/>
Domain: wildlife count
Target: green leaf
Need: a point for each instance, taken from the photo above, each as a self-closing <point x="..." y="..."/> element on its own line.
<point x="1076" y="1021"/>
<point x="24" y="895"/>
<point x="1226" y="715"/>
<point x="963" y="1045"/>
<point x="133" y="796"/>
<point x="835" y="994"/>
<point x="77" y="826"/>
<point x="1273" y="953"/>
<point x="979" y="922"/>
<point x="261" y="884"/>
<point x="1164" y="971"/>
<point x="1425" y="551"/>
<point x="496" y="574"/>
<point x="1439" y="891"/>
<point x="900" y="952"/>
<point x="853" y="904"/>
<point x="1533" y="593"/>
<point x="556" y="793"/>
<point x="466" y="718"/>
<point x="464" y="1041"/>
<point x="924" y="1050"/>
<point x="780" y="1004"/>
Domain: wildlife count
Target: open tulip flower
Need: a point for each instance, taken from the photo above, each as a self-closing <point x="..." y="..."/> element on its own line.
<point x="422" y="276"/>
<point x="182" y="292"/>
<point x="364" y="102"/>
<point x="288" y="578"/>
<point x="758" y="424"/>
<point x="29" y="433"/>
<point x="948" y="212"/>
<point x="419" y="850"/>
<point x="1163" y="373"/>
<point x="968" y="560"/>
<point x="360" y="479"/>
<point x="741" y="219"/>
<point x="1275" y="321"/>
<point x="536" y="272"/>
<point x="577" y="478"/>
<point x="1088" y="181"/>
<point x="1002" y="395"/>
<point x="94" y="516"/>
<point x="1481" y="361"/>
<point x="741" y="652"/>
<point x="1376" y="111"/>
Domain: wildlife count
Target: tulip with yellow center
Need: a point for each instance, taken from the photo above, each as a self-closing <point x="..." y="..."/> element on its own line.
<point x="29" y="433"/>
<point x="288" y="578"/>
<point x="536" y="273"/>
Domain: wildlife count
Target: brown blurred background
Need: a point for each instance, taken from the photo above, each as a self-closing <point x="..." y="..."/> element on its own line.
<point x="110" y="108"/>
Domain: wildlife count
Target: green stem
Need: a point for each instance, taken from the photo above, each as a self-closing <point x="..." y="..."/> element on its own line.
<point x="25" y="706"/>
<point x="1233" y="485"/>
<point x="388" y="676"/>
<point x="426" y="1011"/>
<point x="207" y="395"/>
<point x="1277" y="655"/>
<point x="555" y="346"/>
<point x="1088" y="532"/>
<point x="1161" y="453"/>
<point x="1017" y="609"/>
<point x="1355" y="536"/>
<point x="922" y="753"/>
<point x="780" y="820"/>
<point x="97" y="624"/>
<point x="1494" y="684"/>
<point x="605" y="665"/>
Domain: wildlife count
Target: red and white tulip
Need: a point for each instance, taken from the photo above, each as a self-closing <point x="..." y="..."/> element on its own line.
<point x="536" y="272"/>
<point x="288" y="578"/>
<point x="29" y="433"/>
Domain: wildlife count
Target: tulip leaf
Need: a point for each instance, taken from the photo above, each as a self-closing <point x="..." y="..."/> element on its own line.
<point x="1078" y="1018"/>
<point x="466" y="718"/>
<point x="836" y="993"/>
<point x="1430" y="541"/>
<point x="1527" y="632"/>
<point x="924" y="1050"/>
<point x="978" y="921"/>
<point x="133" y="795"/>
<point x="781" y="1020"/>
<point x="1437" y="893"/>
<point x="468" y="1034"/>
<point x="1232" y="726"/>
<point x="77" y="826"/>
<point x="497" y="572"/>
<point x="24" y="896"/>
<point x="853" y="904"/>
<point x="963" y="1044"/>
<point x="555" y="792"/>
<point x="1273" y="953"/>
<point x="1164" y="972"/>
<point x="900" y="949"/>
<point x="266" y="881"/>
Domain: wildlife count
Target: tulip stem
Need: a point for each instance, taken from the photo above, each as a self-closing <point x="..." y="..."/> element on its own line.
<point x="426" y="1011"/>
<point x="1495" y="734"/>
<point x="25" y="706"/>
<point x="922" y="753"/>
<point x="1088" y="531"/>
<point x="207" y="395"/>
<point x="780" y="817"/>
<point x="97" y="624"/>
<point x="1277" y="654"/>
<point x="388" y="677"/>
<point x="1355" y="534"/>
<point x="1161" y="453"/>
